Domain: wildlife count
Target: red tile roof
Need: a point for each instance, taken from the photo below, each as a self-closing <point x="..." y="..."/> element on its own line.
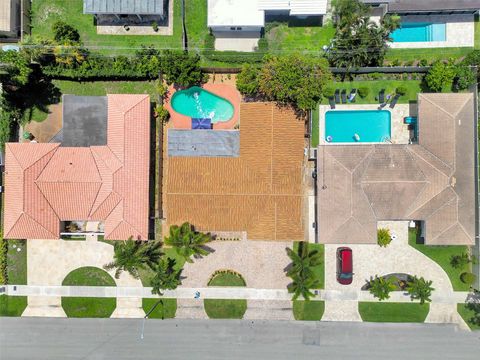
<point x="46" y="183"/>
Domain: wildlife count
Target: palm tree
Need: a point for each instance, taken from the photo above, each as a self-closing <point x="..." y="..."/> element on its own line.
<point x="381" y="287"/>
<point x="301" y="272"/>
<point x="132" y="256"/>
<point x="166" y="276"/>
<point x="420" y="289"/>
<point x="187" y="241"/>
<point x="301" y="286"/>
<point x="303" y="260"/>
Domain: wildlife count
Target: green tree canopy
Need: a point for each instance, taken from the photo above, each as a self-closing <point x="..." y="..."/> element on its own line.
<point x="420" y="289"/>
<point x="440" y="76"/>
<point x="358" y="40"/>
<point x="294" y="80"/>
<point x="247" y="80"/>
<point x="64" y="32"/>
<point x="132" y="256"/>
<point x="166" y="276"/>
<point x="181" y="68"/>
<point x="381" y="287"/>
<point x="188" y="242"/>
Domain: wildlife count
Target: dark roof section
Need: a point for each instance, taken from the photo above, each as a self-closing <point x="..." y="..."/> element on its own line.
<point x="401" y="6"/>
<point x="125" y="7"/>
<point x="208" y="143"/>
<point x="84" y="121"/>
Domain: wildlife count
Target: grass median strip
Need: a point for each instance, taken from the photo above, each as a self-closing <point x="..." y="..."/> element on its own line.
<point x="468" y="315"/>
<point x="225" y="308"/>
<point x="393" y="312"/>
<point x="12" y="305"/>
<point x="308" y="310"/>
<point x="165" y="309"/>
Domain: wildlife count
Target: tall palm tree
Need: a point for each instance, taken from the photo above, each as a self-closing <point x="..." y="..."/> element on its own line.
<point x="166" y="276"/>
<point x="302" y="286"/>
<point x="421" y="289"/>
<point x="187" y="241"/>
<point x="131" y="256"/>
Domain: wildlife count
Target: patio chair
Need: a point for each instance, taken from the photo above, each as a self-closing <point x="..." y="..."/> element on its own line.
<point x="394" y="100"/>
<point x="331" y="101"/>
<point x="381" y="96"/>
<point x="337" y="96"/>
<point x="344" y="96"/>
<point x="352" y="96"/>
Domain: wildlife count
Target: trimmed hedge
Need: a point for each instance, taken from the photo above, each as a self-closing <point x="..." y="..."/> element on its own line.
<point x="234" y="57"/>
<point x="3" y="259"/>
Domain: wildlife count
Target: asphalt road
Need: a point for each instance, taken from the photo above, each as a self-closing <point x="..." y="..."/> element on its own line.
<point x="44" y="338"/>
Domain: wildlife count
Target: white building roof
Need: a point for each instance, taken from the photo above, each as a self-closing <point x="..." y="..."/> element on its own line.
<point x="252" y="12"/>
<point x="235" y="13"/>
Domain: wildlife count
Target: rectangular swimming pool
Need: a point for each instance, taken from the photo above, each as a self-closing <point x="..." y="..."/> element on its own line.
<point x="419" y="32"/>
<point x="357" y="126"/>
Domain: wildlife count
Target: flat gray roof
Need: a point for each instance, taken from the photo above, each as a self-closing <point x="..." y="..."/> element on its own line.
<point x="84" y="121"/>
<point x="427" y="5"/>
<point x="203" y="143"/>
<point x="432" y="181"/>
<point x="125" y="7"/>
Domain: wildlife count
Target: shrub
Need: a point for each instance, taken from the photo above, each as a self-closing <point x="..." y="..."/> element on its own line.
<point x="401" y="90"/>
<point x="62" y="32"/>
<point x="162" y="114"/>
<point x="423" y="62"/>
<point x="460" y="261"/>
<point x="235" y="57"/>
<point x="383" y="237"/>
<point x="472" y="58"/>
<point x="381" y="287"/>
<point x="155" y="26"/>
<point x="468" y="278"/>
<point x="395" y="62"/>
<point x="420" y="289"/>
<point x="262" y="45"/>
<point x="329" y="92"/>
<point x="3" y="259"/>
<point x="464" y="77"/>
<point x="247" y="80"/>
<point x="209" y="42"/>
<point x="363" y="91"/>
<point x="440" y="76"/>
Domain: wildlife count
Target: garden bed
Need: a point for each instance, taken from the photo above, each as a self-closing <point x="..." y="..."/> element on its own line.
<point x="225" y="308"/>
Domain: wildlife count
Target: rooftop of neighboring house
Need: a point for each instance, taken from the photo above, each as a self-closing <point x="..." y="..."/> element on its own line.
<point x="46" y="183"/>
<point x="252" y="12"/>
<point x="400" y="6"/>
<point x="258" y="191"/>
<point x="432" y="181"/>
<point x="124" y="7"/>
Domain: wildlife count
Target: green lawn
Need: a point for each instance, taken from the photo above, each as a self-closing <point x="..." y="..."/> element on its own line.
<point x="467" y="315"/>
<point x="88" y="306"/>
<point x="225" y="309"/>
<point x="46" y="12"/>
<point x="17" y="262"/>
<point x="441" y="255"/>
<point x="164" y="310"/>
<point x="196" y="23"/>
<point x="315" y="136"/>
<point x="308" y="310"/>
<point x="430" y="55"/>
<point x="319" y="270"/>
<point x="226" y="279"/>
<point x="393" y="312"/>
<point x="100" y="88"/>
<point x="12" y="305"/>
<point x="88" y="276"/>
<point x="288" y="37"/>
<point x="413" y="88"/>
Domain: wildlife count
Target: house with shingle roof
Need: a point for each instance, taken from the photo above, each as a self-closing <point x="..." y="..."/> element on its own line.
<point x="50" y="183"/>
<point x="433" y="181"/>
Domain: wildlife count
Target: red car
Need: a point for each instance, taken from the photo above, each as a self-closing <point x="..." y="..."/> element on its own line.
<point x="344" y="266"/>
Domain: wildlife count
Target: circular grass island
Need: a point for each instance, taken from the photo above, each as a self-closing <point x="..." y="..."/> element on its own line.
<point x="90" y="307"/>
<point x="225" y="308"/>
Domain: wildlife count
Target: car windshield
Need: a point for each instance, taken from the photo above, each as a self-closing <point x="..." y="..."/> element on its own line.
<point x="345" y="275"/>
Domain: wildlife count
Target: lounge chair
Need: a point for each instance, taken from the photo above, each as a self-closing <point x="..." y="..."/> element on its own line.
<point x="344" y="96"/>
<point x="331" y="101"/>
<point x="394" y="100"/>
<point x="353" y="94"/>
<point x="337" y="96"/>
<point x="381" y="96"/>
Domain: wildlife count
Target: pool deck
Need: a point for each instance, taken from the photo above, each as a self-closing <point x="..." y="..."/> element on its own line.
<point x="460" y="31"/>
<point x="225" y="91"/>
<point x="400" y="133"/>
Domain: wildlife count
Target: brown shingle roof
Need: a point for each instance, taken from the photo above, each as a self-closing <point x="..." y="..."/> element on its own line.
<point x="432" y="181"/>
<point x="46" y="184"/>
<point x="259" y="192"/>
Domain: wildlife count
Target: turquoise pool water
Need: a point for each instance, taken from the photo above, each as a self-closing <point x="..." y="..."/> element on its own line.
<point x="419" y="31"/>
<point x="196" y="102"/>
<point x="351" y="126"/>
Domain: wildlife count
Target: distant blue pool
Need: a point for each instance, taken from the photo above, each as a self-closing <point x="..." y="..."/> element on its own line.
<point x="351" y="126"/>
<point x="419" y="31"/>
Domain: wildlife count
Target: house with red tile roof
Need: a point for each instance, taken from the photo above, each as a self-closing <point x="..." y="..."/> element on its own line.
<point x="47" y="183"/>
